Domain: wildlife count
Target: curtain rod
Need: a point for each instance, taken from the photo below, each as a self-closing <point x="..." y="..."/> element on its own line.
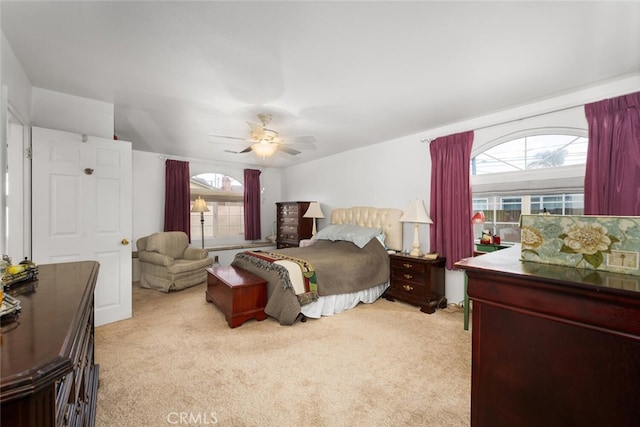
<point x="220" y="163"/>
<point x="426" y="139"/>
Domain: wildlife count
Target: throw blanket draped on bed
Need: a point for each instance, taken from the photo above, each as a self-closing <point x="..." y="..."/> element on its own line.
<point x="341" y="267"/>
<point x="300" y="276"/>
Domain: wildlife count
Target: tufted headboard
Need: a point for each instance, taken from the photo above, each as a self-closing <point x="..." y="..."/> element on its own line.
<point x="388" y="219"/>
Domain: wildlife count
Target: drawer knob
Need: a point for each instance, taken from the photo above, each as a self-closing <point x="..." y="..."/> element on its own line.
<point x="407" y="288"/>
<point x="407" y="265"/>
<point x="408" y="276"/>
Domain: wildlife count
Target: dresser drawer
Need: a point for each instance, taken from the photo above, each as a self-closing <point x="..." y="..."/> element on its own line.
<point x="284" y="245"/>
<point x="291" y="221"/>
<point x="288" y="210"/>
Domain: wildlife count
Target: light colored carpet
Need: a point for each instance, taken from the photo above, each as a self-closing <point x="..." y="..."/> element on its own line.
<point x="176" y="362"/>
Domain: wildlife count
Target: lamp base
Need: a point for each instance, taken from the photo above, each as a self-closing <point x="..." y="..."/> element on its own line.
<point x="202" y="227"/>
<point x="415" y="250"/>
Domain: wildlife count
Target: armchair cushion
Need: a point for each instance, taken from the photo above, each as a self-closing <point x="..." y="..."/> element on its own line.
<point x="171" y="243"/>
<point x="168" y="263"/>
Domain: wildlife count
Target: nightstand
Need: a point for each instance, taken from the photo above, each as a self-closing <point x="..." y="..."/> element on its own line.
<point x="417" y="281"/>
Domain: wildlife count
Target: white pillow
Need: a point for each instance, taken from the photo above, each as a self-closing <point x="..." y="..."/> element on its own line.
<point x="381" y="237"/>
<point x="360" y="236"/>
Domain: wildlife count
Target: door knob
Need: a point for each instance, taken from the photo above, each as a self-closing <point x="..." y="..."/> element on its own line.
<point x="125" y="242"/>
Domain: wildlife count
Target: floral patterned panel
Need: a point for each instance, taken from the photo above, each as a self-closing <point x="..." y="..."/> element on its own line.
<point x="607" y="243"/>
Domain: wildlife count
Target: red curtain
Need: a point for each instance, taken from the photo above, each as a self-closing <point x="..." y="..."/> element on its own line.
<point x="177" y="216"/>
<point x="451" y="232"/>
<point x="612" y="175"/>
<point x="252" y="204"/>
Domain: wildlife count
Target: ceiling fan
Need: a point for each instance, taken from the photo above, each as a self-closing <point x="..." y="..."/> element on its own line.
<point x="265" y="141"/>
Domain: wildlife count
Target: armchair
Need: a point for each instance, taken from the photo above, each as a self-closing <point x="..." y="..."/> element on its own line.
<point x="168" y="263"/>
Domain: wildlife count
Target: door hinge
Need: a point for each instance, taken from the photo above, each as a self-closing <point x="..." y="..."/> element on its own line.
<point x="28" y="153"/>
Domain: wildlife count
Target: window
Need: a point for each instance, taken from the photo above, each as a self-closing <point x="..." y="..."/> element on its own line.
<point x="531" y="152"/>
<point x="224" y="196"/>
<point x="502" y="214"/>
<point x="559" y="204"/>
<point x="526" y="175"/>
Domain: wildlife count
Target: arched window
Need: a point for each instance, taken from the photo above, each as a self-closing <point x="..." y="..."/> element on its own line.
<point x="224" y="196"/>
<point x="526" y="173"/>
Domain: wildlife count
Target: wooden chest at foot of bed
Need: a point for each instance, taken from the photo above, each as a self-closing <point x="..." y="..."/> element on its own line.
<point x="240" y="295"/>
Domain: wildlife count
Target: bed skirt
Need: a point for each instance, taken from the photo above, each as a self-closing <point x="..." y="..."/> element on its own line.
<point x="334" y="304"/>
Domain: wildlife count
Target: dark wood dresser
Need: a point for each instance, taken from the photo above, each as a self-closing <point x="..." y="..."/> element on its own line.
<point x="418" y="281"/>
<point x="48" y="373"/>
<point x="552" y="345"/>
<point x="291" y="224"/>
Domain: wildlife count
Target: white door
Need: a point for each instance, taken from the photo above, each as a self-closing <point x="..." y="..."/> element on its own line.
<point x="82" y="211"/>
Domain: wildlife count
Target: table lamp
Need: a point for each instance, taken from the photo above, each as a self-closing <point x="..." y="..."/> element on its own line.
<point x="478" y="218"/>
<point x="417" y="214"/>
<point x="199" y="205"/>
<point x="314" y="211"/>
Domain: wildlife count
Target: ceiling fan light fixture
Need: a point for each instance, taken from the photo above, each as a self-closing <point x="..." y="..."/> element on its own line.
<point x="264" y="149"/>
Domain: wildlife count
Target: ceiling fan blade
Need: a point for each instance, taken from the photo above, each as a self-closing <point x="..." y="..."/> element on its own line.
<point x="306" y="139"/>
<point x="246" y="150"/>
<point x="256" y="127"/>
<point x="288" y="150"/>
<point x="230" y="137"/>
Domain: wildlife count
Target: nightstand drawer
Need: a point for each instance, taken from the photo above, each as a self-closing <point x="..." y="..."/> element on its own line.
<point x="408" y="291"/>
<point x="406" y="264"/>
<point x="408" y="275"/>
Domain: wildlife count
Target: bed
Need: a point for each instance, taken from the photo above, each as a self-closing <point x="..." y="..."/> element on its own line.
<point x="347" y="270"/>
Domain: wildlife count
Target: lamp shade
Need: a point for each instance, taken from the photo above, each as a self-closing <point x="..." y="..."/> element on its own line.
<point x="199" y="205"/>
<point x="416" y="212"/>
<point x="314" y="211"/>
<point x="478" y="218"/>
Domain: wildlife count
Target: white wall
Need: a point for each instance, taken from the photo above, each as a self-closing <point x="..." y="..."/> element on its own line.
<point x="18" y="84"/>
<point x="16" y="98"/>
<point x="389" y="174"/>
<point x="393" y="172"/>
<point x="60" y="111"/>
<point x="148" y="194"/>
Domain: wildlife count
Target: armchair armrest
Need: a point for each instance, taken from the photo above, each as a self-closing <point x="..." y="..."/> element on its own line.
<point x="155" y="258"/>
<point x="195" y="253"/>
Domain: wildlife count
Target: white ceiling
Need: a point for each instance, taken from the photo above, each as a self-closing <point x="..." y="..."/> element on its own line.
<point x="349" y="73"/>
